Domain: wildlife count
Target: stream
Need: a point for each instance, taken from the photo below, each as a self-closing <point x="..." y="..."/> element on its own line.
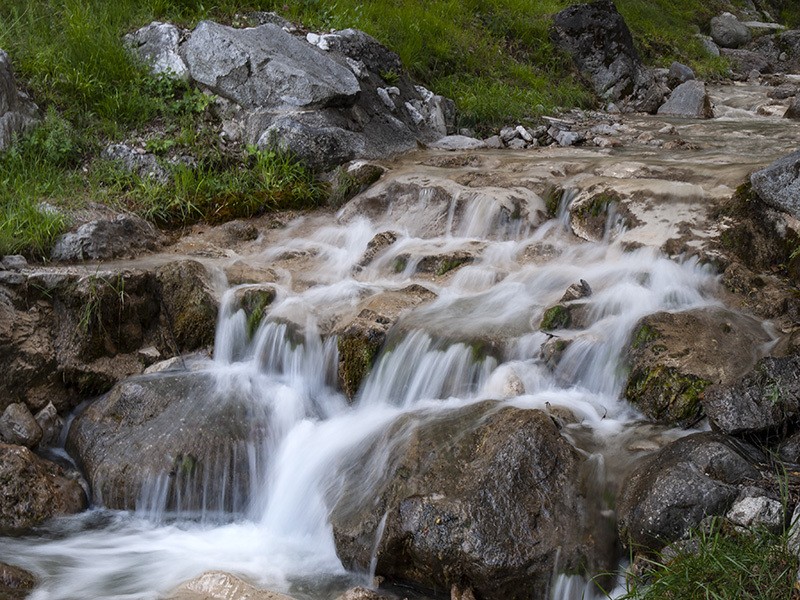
<point x="478" y="339"/>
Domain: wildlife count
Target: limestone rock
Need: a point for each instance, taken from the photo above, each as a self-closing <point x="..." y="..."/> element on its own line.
<point x="778" y="185"/>
<point x="679" y="73"/>
<point x="767" y="398"/>
<point x="728" y="32"/>
<point x="610" y="60"/>
<point x="157" y="44"/>
<point x="218" y="585"/>
<point x="482" y="498"/>
<point x="457" y="142"/>
<point x="675" y="489"/>
<point x="17" y="426"/>
<point x="17" y="113"/>
<point x="33" y="490"/>
<point x="689" y="99"/>
<point x="674" y="357"/>
<point x="123" y="236"/>
<point x="757" y="511"/>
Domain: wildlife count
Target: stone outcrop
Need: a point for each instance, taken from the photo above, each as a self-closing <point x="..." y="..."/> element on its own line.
<point x="674" y="357"/>
<point x="327" y="99"/>
<point x="33" y="490"/>
<point x="484" y="500"/>
<point x="122" y="236"/>
<point x="778" y="185"/>
<point x="675" y="489"/>
<point x="728" y="32"/>
<point x="689" y="99"/>
<point x="766" y="399"/>
<point x="17" y="112"/>
<point x="601" y="45"/>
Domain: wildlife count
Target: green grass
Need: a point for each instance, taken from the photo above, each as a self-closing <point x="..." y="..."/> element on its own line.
<point x="754" y="565"/>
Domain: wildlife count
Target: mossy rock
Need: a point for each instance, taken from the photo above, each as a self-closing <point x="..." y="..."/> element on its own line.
<point x="667" y="396"/>
<point x="556" y="317"/>
<point x="254" y="302"/>
<point x="358" y="349"/>
<point x="189" y="305"/>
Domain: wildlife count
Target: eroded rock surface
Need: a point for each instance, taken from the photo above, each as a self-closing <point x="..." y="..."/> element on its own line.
<point x="218" y="585"/>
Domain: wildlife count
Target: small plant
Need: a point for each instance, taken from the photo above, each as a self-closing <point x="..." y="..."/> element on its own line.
<point x="391" y="76"/>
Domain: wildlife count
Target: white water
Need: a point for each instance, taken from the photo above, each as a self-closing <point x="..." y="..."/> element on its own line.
<point x="282" y="538"/>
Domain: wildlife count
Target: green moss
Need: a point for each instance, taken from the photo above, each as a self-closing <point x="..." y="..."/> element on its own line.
<point x="448" y="264"/>
<point x="644" y="335"/>
<point x="254" y="302"/>
<point x="666" y="395"/>
<point x="185" y="465"/>
<point x="400" y="264"/>
<point x="556" y="317"/>
<point x="357" y="354"/>
<point x="552" y="200"/>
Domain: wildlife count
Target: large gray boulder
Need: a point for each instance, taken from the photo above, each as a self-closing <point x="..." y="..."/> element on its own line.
<point x="157" y="45"/>
<point x="17" y="112"/>
<point x="728" y="32"/>
<point x="33" y="490"/>
<point x="483" y="498"/>
<point x="778" y="185"/>
<point x="690" y="100"/>
<point x="765" y="399"/>
<point x="601" y="45"/>
<point x="122" y="236"/>
<point x="674" y="490"/>
<point x="170" y="440"/>
<point x="267" y="68"/>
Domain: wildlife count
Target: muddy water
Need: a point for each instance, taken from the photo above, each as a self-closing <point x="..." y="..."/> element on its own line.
<point x="473" y="229"/>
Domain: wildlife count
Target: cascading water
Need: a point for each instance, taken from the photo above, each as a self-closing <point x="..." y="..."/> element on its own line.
<point x="478" y="340"/>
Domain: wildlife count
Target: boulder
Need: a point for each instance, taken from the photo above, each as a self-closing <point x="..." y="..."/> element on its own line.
<point x="778" y="185"/>
<point x="610" y="60"/>
<point x="793" y="110"/>
<point x="743" y="62"/>
<point x="672" y="491"/>
<point x="15" y="583"/>
<point x="157" y="44"/>
<point x="678" y="74"/>
<point x="728" y="32"/>
<point x="122" y="236"/>
<point x="189" y="305"/>
<point x="360" y="339"/>
<point x="362" y="593"/>
<point x="766" y="399"/>
<point x="17" y="113"/>
<point x="457" y="142"/>
<point x="757" y="512"/>
<point x="33" y="490"/>
<point x="144" y="164"/>
<point x="19" y="427"/>
<point x="690" y="100"/>
<point x="218" y="585"/>
<point x="482" y="498"/>
<point x="674" y="357"/>
<point x="173" y="440"/>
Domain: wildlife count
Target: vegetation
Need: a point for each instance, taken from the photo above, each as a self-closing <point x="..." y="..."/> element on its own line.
<point x="750" y="565"/>
<point x="494" y="57"/>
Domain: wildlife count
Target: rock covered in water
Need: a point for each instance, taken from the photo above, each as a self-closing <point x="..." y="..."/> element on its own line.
<point x="218" y="585"/>
<point x="674" y="357"/>
<point x="17" y="112"/>
<point x="609" y="60"/>
<point x="124" y="235"/>
<point x="728" y="32"/>
<point x="173" y="433"/>
<point x="33" y="490"/>
<point x="15" y="583"/>
<point x="485" y="499"/>
<point x="778" y="185"/>
<point x="690" y="100"/>
<point x="765" y="399"/>
<point x="672" y="491"/>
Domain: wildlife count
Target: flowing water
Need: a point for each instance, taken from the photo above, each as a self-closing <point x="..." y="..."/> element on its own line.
<point x="478" y="340"/>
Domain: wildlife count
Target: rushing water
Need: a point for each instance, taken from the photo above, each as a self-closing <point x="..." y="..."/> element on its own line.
<point x="280" y="534"/>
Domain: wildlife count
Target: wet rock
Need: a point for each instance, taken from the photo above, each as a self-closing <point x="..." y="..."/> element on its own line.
<point x="577" y="291"/>
<point x="457" y="142"/>
<point x="678" y="74"/>
<point x="765" y="399"/>
<point x="50" y="423"/>
<point x="157" y="44"/>
<point x="689" y="99"/>
<point x="218" y="585"/>
<point x="18" y="426"/>
<point x="437" y="263"/>
<point x="353" y="179"/>
<point x="728" y="32"/>
<point x="17" y="113"/>
<point x="609" y="61"/>
<point x="757" y="512"/>
<point x="483" y="500"/>
<point x="565" y="316"/>
<point x="783" y="91"/>
<point x="254" y="301"/>
<point x="376" y="246"/>
<point x="189" y="304"/>
<point x="33" y="490"/>
<point x="123" y="236"/>
<point x="590" y="211"/>
<point x="778" y="185"/>
<point x="15" y="583"/>
<point x="674" y="357"/>
<point x="674" y="490"/>
<point x="174" y="433"/>
<point x="793" y="110"/>
<point x="242" y="271"/>
<point x="361" y="339"/>
<point x="362" y="593"/>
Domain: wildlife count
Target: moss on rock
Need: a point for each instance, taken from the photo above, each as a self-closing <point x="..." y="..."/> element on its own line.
<point x="556" y="317"/>
<point x="666" y="395"/>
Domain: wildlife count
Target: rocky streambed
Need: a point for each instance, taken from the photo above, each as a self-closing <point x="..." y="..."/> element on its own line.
<point x="484" y="376"/>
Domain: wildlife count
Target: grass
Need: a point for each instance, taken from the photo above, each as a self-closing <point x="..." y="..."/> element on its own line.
<point x="493" y="57"/>
<point x="751" y="565"/>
